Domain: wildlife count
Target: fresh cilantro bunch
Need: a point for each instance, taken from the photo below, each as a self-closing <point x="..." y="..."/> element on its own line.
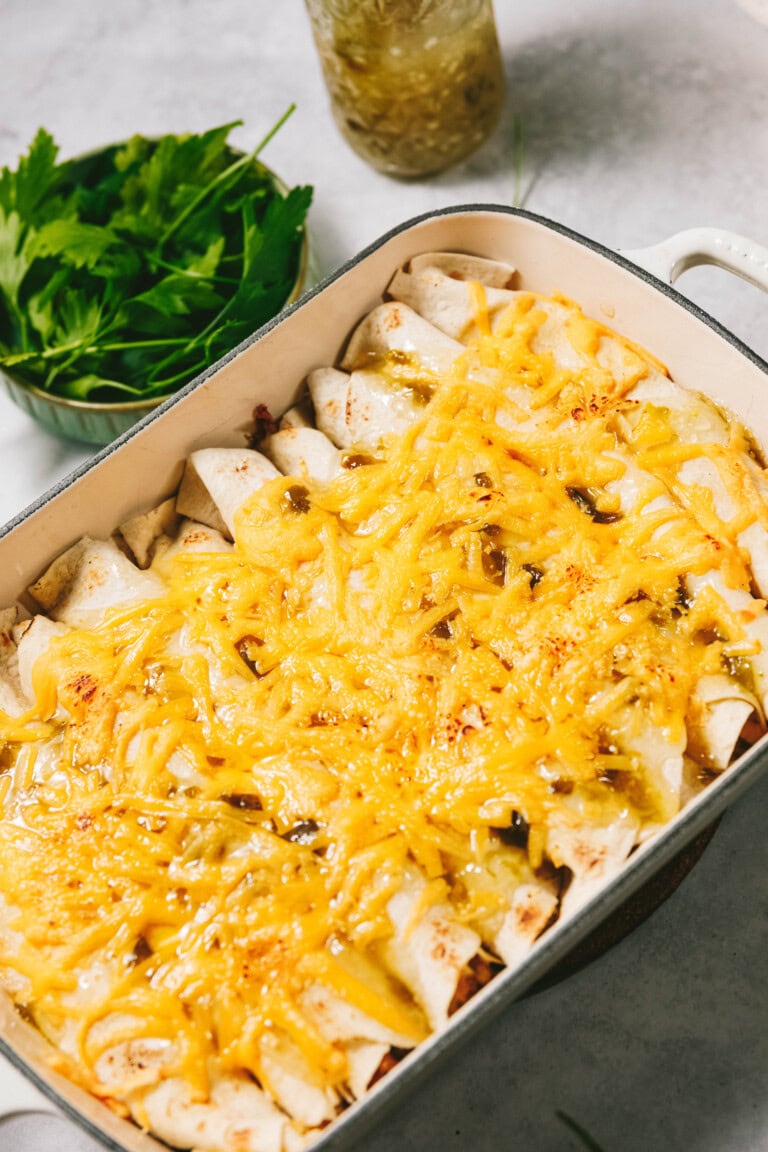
<point x="125" y="273"/>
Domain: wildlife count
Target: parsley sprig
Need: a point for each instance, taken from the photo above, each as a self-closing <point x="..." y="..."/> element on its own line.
<point x="125" y="273"/>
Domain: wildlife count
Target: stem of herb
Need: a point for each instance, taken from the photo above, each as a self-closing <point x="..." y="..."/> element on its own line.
<point x="243" y="162"/>
<point x="217" y="319"/>
<point x="273" y="130"/>
<point x="189" y="344"/>
<point x="127" y="344"/>
<point x="88" y="349"/>
<point x="161" y="386"/>
<point x="221" y="315"/>
<point x="192" y="275"/>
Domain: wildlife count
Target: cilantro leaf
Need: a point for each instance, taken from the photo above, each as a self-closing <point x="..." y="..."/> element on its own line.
<point x="41" y="307"/>
<point x="206" y="263"/>
<point x="81" y="245"/>
<point x="280" y="234"/>
<point x="127" y="271"/>
<point x="79" y="317"/>
<point x="23" y="190"/>
<point x="179" y="296"/>
<point x="83" y="388"/>
<point x="14" y="260"/>
<point x="163" y="180"/>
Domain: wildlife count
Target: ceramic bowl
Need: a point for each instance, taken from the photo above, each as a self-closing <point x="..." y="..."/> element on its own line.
<point x="100" y="423"/>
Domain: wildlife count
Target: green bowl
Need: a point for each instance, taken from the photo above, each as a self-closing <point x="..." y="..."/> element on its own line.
<point x="95" y="423"/>
<point x="99" y="423"/>
<point x="77" y="419"/>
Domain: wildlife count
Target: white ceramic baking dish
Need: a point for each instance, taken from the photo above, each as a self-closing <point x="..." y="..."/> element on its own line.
<point x="631" y="293"/>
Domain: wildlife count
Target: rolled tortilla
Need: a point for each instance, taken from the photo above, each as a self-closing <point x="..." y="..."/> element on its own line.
<point x="300" y="416"/>
<point x="532" y="907"/>
<point x="660" y="753"/>
<point x="637" y="488"/>
<point x="724" y="707"/>
<point x="694" y="417"/>
<point x="365" y="1041"/>
<point x="217" y="481"/>
<point x="303" y="452"/>
<point x="435" y="285"/>
<point x="190" y="537"/>
<point x="528" y="903"/>
<point x="702" y="472"/>
<point x="127" y="1065"/>
<point x="34" y="638"/>
<point x="289" y="1081"/>
<point x="11" y="693"/>
<point x="395" y="327"/>
<point x="754" y="540"/>
<point x="462" y="266"/>
<point x="362" y="408"/>
<point x="364" y="1058"/>
<point x="593" y="853"/>
<point x="341" y="1022"/>
<point x="328" y="388"/>
<point x="91" y="577"/>
<point x="237" y="1117"/>
<point x="429" y="949"/>
<point x="752" y="617"/>
<point x="141" y="532"/>
<point x="362" y="405"/>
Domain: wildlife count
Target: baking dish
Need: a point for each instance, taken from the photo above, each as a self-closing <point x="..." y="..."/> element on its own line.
<point x="145" y="466"/>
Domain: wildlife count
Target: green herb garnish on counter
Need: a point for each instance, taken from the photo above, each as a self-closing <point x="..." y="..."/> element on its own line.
<point x="126" y="272"/>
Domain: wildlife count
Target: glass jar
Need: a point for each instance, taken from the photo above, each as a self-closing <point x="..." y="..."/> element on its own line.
<point x="415" y="85"/>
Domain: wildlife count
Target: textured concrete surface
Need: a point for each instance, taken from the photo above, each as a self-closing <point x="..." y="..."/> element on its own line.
<point x="640" y="117"/>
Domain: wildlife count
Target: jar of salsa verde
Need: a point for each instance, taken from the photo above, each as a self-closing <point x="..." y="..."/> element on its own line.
<point x="415" y="85"/>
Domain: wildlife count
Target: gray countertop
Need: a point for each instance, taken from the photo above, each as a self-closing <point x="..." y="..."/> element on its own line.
<point x="640" y="118"/>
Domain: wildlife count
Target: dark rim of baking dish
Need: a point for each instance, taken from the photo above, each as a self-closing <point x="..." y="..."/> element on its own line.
<point x="562" y="937"/>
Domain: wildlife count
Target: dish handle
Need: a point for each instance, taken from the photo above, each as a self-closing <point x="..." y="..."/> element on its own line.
<point x="695" y="246"/>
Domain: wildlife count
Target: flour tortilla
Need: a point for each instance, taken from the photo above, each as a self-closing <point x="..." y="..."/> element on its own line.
<point x="435" y="285"/>
<point x="753" y="619"/>
<point x="702" y="472"/>
<point x="724" y="707"/>
<point x="89" y="579"/>
<point x="358" y="410"/>
<point x="593" y="853"/>
<point x="237" y="1117"/>
<point x="191" y="536"/>
<point x="300" y="416"/>
<point x="303" y="452"/>
<point x="360" y="406"/>
<point x="217" y="481"/>
<point x="394" y="327"/>
<point x="141" y="532"/>
<point x="12" y="700"/>
<point x="34" y="638"/>
<point x="289" y="1081"/>
<point x="429" y="949"/>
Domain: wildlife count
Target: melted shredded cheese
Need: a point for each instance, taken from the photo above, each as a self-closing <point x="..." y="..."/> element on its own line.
<point x="467" y="630"/>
